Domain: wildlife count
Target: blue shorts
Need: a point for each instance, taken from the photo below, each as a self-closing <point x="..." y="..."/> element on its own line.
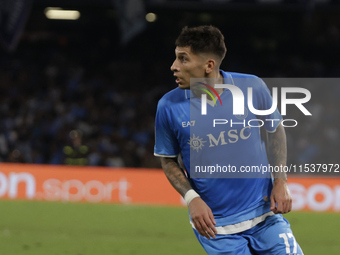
<point x="272" y="236"/>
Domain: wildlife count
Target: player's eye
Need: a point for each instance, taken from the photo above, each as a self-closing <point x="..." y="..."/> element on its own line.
<point x="182" y="59"/>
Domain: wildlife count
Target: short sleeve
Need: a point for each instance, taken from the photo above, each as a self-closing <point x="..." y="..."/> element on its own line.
<point x="265" y="102"/>
<point x="166" y="144"/>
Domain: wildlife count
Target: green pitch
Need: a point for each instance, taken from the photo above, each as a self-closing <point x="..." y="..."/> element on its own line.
<point x="91" y="229"/>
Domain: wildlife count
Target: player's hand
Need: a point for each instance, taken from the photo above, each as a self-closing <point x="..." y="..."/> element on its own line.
<point x="280" y="199"/>
<point x="202" y="217"/>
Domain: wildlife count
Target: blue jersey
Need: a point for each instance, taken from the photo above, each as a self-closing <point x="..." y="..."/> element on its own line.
<point x="182" y="129"/>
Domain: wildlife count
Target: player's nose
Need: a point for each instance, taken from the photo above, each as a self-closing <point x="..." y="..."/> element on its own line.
<point x="174" y="67"/>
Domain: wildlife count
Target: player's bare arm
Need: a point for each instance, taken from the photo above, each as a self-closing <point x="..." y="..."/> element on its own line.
<point x="200" y="212"/>
<point x="281" y="200"/>
<point x="175" y="175"/>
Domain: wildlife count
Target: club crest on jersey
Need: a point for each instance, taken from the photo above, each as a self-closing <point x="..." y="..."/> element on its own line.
<point x="196" y="143"/>
<point x="242" y="116"/>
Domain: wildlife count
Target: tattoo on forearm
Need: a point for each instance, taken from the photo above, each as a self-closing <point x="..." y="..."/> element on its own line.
<point x="175" y="175"/>
<point x="277" y="150"/>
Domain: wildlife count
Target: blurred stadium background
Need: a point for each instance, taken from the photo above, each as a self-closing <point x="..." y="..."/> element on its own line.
<point x="82" y="90"/>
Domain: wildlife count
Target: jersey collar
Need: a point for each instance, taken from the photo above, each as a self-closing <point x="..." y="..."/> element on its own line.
<point x="228" y="79"/>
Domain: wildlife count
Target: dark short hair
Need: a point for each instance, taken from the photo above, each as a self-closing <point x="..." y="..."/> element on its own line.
<point x="203" y="39"/>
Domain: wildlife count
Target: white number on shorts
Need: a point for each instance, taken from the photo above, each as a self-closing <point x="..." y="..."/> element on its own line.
<point x="285" y="238"/>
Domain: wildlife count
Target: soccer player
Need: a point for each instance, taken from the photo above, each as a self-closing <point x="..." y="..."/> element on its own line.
<point x="229" y="215"/>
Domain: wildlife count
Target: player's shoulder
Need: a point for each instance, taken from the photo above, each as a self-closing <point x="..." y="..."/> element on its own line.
<point x="245" y="80"/>
<point x="172" y="97"/>
<point x="239" y="75"/>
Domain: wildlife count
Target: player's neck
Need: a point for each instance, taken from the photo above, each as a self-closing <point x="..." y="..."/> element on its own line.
<point x="210" y="80"/>
<point x="218" y="80"/>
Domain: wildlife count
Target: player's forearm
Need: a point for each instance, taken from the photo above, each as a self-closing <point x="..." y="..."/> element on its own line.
<point x="175" y="175"/>
<point x="277" y="151"/>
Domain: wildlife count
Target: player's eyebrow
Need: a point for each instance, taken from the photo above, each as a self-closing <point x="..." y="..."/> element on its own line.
<point x="182" y="54"/>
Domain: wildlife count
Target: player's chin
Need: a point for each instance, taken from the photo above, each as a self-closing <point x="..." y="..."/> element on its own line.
<point x="183" y="86"/>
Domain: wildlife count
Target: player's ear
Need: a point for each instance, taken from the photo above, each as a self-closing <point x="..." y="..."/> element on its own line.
<point x="210" y="65"/>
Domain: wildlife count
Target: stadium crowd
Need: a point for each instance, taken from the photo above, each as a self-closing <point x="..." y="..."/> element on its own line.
<point x="63" y="104"/>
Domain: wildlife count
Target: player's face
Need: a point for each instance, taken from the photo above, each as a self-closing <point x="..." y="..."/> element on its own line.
<point x="187" y="65"/>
